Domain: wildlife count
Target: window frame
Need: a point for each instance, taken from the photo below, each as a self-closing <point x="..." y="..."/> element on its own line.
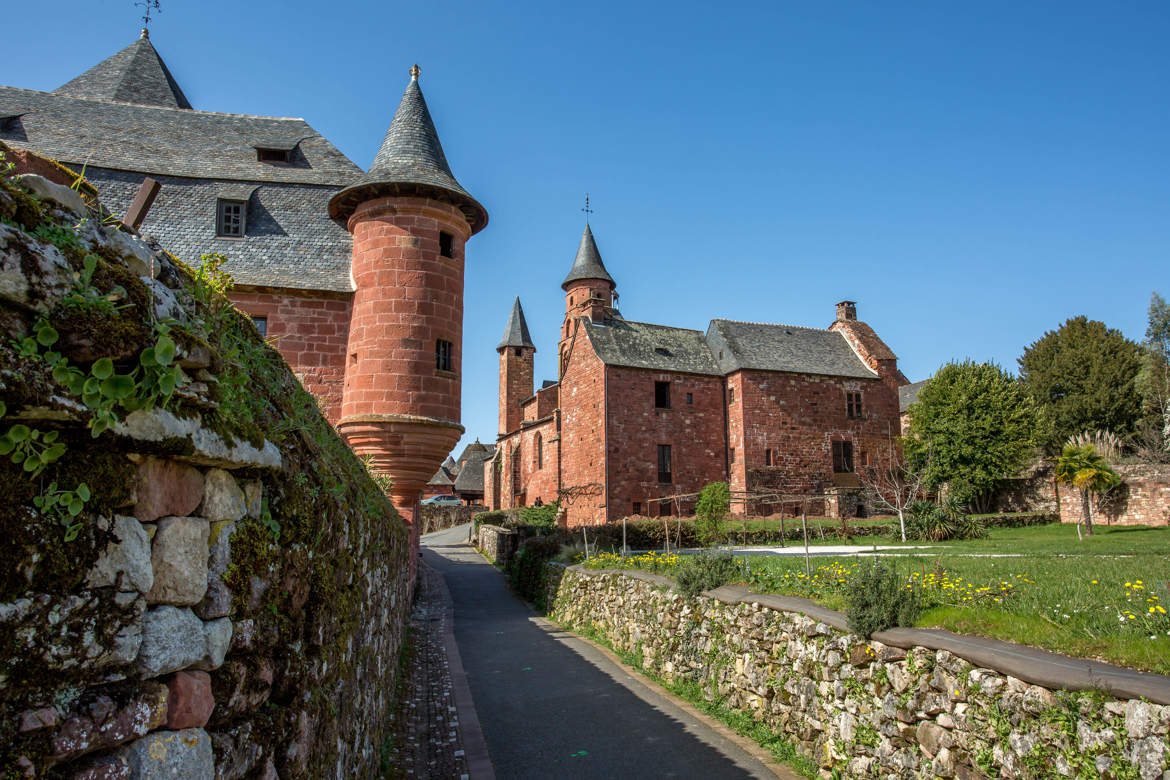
<point x="446" y="244"/>
<point x="221" y="204"/>
<point x="665" y="460"/>
<point x="843" y="458"/>
<point x="261" y="323"/>
<point x="661" y="394"/>
<point x="853" y="407"/>
<point x="444" y="355"/>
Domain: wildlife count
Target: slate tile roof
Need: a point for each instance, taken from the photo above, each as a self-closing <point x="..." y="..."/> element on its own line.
<point x="587" y="263"/>
<point x="410" y="161"/>
<point x="136" y="74"/>
<point x="470" y="479"/>
<point x="516" y="330"/>
<point x="620" y="342"/>
<point x="908" y="394"/>
<point x="767" y="347"/>
<point x="171" y="141"/>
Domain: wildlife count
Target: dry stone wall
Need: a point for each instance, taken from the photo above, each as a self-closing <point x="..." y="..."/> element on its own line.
<point x="225" y="597"/>
<point x="863" y="708"/>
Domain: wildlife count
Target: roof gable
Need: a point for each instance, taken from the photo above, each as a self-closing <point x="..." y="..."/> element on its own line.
<point x="766" y="347"/>
<point x="619" y="342"/>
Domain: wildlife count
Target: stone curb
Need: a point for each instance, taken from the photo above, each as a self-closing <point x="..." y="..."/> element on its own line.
<point x="1030" y="664"/>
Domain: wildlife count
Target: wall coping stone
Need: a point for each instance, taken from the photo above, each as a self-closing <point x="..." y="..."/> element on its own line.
<point x="1030" y="664"/>
<point x="156" y="425"/>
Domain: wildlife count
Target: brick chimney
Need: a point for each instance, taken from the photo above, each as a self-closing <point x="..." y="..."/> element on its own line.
<point x="846" y="310"/>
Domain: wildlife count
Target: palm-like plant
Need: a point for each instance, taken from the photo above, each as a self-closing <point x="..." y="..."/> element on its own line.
<point x="1084" y="467"/>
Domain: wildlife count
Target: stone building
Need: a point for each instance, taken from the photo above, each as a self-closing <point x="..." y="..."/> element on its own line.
<point x="462" y="476"/>
<point x="643" y="411"/>
<point x="356" y="277"/>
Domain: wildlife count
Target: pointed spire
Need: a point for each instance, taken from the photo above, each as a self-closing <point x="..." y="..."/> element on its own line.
<point x="410" y="162"/>
<point x="516" y="331"/>
<point x="136" y="74"/>
<point x="587" y="264"/>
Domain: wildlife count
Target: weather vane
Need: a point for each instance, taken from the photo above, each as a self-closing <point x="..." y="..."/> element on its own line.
<point x="148" y="6"/>
<point x="587" y="210"/>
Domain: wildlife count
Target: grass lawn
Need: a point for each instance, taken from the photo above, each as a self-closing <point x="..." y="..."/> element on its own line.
<point x="1107" y="597"/>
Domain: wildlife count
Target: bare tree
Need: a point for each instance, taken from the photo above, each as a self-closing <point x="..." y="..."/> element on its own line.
<point x="890" y="484"/>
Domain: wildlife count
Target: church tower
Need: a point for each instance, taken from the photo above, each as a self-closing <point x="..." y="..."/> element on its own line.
<point x="517" y="353"/>
<point x="410" y="221"/>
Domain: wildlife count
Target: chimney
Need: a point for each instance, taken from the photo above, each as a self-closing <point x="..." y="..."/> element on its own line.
<point x="846" y="310"/>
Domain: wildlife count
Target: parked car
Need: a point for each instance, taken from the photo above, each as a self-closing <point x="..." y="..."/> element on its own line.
<point x="442" y="501"/>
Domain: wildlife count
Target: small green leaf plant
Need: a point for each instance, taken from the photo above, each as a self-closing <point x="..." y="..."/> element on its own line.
<point x="85" y="296"/>
<point x="64" y="506"/>
<point x="29" y="448"/>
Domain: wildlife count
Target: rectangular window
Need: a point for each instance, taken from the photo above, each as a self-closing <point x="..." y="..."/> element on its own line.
<point x="637" y="508"/>
<point x="261" y="324"/>
<point x="662" y="395"/>
<point x="272" y="155"/>
<point x="768" y="458"/>
<point x="446" y="244"/>
<point x="731" y="395"/>
<point x="853" y="405"/>
<point x="664" y="509"/>
<point x="443" y="355"/>
<point x="229" y="218"/>
<point x="842" y="457"/>
<point x="664" y="474"/>
<point x="690" y="398"/>
<point x="731" y="453"/>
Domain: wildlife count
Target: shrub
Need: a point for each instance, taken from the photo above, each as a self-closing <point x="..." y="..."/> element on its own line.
<point x="710" y="510"/>
<point x="931" y="522"/>
<point x="879" y="599"/>
<point x="707" y="570"/>
<point x="526" y="568"/>
<point x="542" y="517"/>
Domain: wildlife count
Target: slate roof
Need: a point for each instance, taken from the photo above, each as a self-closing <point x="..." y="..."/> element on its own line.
<point x="441" y="478"/>
<point x="172" y="141"/>
<point x="908" y="394"/>
<point x="470" y="479"/>
<point x="451" y="466"/>
<point x="587" y="264"/>
<point x="137" y="74"/>
<point x="619" y="342"/>
<point x="410" y="161"/>
<point x="767" y="347"/>
<point x="516" y="330"/>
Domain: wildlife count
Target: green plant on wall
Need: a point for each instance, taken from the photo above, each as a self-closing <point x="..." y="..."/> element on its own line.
<point x="64" y="506"/>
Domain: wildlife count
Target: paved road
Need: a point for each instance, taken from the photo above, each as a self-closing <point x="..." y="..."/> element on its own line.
<point x="552" y="706"/>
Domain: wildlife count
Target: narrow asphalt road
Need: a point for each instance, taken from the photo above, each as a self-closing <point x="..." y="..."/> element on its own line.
<point x="552" y="706"/>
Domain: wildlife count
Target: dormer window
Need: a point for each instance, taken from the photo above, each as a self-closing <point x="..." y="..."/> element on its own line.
<point x="229" y="218"/>
<point x="273" y="155"/>
<point x="11" y="125"/>
<point x="446" y="244"/>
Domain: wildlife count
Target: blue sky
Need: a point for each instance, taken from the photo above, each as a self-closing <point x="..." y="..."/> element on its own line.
<point x="972" y="174"/>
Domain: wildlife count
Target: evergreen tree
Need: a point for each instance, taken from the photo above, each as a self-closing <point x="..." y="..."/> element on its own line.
<point x="972" y="427"/>
<point x="1082" y="377"/>
<point x="1154" y="377"/>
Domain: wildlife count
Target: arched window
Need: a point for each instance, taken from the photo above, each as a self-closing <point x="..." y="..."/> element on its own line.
<point x="539" y="452"/>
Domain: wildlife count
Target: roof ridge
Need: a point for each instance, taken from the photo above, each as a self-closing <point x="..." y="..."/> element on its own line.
<point x="186" y="111"/>
<point x="771" y="324"/>
<point x="657" y="325"/>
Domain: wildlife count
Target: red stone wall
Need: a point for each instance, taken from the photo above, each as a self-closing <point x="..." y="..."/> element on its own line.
<point x="583" y="400"/>
<point x="407" y="297"/>
<point x="695" y="433"/>
<point x="515" y="384"/>
<point x="538" y="478"/>
<point x="310" y="329"/>
<point x="1142" y="499"/>
<point x="798" y="416"/>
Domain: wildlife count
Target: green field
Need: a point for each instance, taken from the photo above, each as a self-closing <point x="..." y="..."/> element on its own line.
<point x="1106" y="597"/>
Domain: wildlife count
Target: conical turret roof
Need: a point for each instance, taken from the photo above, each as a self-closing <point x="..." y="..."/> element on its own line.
<point x="410" y="162"/>
<point x="587" y="264"/>
<point x="516" y="331"/>
<point x="134" y="75"/>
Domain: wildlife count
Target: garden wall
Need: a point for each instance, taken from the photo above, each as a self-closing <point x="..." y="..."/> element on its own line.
<point x="1142" y="499"/>
<point x="225" y="596"/>
<point x="497" y="544"/>
<point x="905" y="706"/>
<point x="439" y="518"/>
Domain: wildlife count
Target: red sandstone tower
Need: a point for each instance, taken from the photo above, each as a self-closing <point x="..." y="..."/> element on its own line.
<point x="410" y="220"/>
<point x="517" y="354"/>
<point x="589" y="289"/>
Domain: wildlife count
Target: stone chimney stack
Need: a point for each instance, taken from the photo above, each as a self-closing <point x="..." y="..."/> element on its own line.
<point x="846" y="310"/>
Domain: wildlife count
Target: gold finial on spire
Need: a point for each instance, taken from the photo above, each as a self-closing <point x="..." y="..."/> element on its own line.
<point x="414" y="71"/>
<point x="145" y="33"/>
